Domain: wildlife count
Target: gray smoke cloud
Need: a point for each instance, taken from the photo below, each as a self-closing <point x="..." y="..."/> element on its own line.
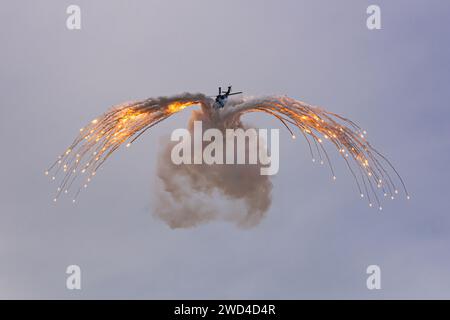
<point x="194" y="194"/>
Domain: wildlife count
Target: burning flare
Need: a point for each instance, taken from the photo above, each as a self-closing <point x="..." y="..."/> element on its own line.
<point x="123" y="124"/>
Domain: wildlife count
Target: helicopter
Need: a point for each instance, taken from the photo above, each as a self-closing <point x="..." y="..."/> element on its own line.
<point x="221" y="98"/>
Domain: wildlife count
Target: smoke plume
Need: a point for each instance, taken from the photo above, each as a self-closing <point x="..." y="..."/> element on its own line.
<point x="193" y="194"/>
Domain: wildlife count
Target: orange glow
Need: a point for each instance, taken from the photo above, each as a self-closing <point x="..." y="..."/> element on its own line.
<point x="178" y="106"/>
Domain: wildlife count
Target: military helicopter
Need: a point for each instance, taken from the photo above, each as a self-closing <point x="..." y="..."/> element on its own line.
<point x="221" y="98"/>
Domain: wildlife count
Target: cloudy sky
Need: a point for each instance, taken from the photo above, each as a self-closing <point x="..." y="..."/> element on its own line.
<point x="317" y="238"/>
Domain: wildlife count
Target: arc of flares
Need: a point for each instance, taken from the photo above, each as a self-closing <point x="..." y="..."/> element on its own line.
<point x="125" y="123"/>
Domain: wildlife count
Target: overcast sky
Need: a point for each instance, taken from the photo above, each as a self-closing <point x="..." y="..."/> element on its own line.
<point x="318" y="237"/>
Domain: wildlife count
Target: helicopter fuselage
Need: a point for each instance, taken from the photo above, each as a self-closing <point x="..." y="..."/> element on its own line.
<point x="220" y="102"/>
<point x="221" y="99"/>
